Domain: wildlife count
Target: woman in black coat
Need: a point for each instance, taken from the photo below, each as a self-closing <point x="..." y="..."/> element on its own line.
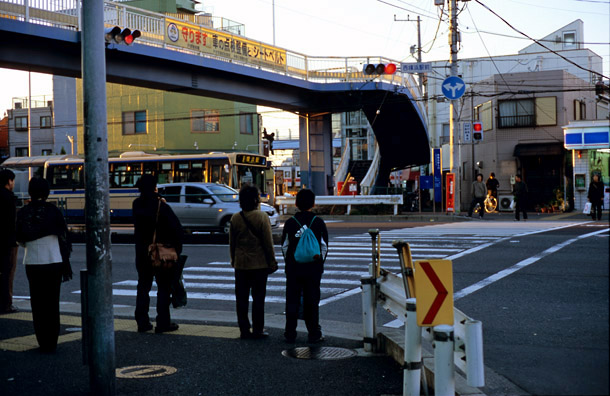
<point x="169" y="232"/>
<point x="596" y="197"/>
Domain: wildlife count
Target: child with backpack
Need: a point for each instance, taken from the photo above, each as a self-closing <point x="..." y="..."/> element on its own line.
<point x="304" y="246"/>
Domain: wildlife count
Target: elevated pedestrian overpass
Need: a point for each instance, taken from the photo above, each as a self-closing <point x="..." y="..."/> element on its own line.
<point x="192" y="57"/>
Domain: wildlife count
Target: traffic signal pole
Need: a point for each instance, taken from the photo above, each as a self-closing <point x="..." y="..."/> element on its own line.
<point x="453" y="114"/>
<point x="99" y="316"/>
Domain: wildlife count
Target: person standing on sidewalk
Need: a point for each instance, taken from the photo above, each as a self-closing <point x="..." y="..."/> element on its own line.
<point x="8" y="244"/>
<point x="479" y="192"/>
<point x="492" y="185"/>
<point x="42" y="230"/>
<point x="596" y="197"/>
<point x="520" y="194"/>
<point x="253" y="258"/>
<point x="150" y="212"/>
<point x="303" y="278"/>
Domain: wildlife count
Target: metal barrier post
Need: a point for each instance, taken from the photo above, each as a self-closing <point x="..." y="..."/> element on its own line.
<point x="374" y="267"/>
<point x="369" y="305"/>
<point x="413" y="362"/>
<point x="444" y="381"/>
<point x="474" y="353"/>
<point x="84" y="308"/>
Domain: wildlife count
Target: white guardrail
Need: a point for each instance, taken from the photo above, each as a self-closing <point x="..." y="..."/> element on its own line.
<point x="458" y="345"/>
<point x="284" y="201"/>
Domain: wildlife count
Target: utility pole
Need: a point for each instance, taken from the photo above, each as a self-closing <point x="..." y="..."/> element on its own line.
<point x="453" y="114"/>
<point x="412" y="50"/>
<point x="99" y="318"/>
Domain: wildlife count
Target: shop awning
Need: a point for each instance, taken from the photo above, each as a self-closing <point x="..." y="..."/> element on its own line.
<point x="538" y="149"/>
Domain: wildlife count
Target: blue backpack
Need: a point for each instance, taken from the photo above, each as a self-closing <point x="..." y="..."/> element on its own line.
<point x="308" y="245"/>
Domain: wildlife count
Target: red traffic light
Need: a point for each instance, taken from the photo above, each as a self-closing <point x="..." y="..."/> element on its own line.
<point x="379" y="69"/>
<point x="477" y="127"/>
<point x="118" y="35"/>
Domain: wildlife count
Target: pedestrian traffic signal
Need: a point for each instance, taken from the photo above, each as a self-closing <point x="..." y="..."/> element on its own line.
<point x="379" y="69"/>
<point x="118" y="35"/>
<point x="477" y="131"/>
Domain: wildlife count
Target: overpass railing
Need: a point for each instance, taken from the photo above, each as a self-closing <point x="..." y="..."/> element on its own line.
<point x="210" y="37"/>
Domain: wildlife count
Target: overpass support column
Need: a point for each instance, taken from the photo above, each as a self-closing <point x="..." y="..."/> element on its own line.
<point x="316" y="153"/>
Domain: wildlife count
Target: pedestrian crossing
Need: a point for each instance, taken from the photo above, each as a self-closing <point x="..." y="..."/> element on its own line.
<point x="349" y="258"/>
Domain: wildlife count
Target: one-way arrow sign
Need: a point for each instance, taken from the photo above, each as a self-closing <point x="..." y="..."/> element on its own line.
<point x="434" y="285"/>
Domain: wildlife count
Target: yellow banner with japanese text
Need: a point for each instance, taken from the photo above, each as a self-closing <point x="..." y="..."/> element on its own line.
<point x="222" y="44"/>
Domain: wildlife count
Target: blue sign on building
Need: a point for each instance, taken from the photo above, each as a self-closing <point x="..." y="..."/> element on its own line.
<point x="438" y="176"/>
<point x="425" y="182"/>
<point x="453" y="87"/>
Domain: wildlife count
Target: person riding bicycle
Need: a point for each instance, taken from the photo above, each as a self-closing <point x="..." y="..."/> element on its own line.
<point x="479" y="192"/>
<point x="492" y="185"/>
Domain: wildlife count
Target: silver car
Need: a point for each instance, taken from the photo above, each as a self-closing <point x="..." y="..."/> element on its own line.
<point x="207" y="206"/>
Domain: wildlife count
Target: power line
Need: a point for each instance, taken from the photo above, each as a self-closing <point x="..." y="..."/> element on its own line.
<point x="539" y="43"/>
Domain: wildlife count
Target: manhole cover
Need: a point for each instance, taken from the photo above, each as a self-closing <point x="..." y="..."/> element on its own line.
<point x="319" y="353"/>
<point x="149" y="371"/>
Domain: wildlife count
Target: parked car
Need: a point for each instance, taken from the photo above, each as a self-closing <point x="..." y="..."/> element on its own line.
<point x="207" y="206"/>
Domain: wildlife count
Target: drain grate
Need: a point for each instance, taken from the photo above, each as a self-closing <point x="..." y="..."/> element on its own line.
<point x="319" y="353"/>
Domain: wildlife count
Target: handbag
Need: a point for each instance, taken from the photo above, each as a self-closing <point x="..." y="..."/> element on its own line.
<point x="273" y="267"/>
<point x="161" y="255"/>
<point x="587" y="208"/>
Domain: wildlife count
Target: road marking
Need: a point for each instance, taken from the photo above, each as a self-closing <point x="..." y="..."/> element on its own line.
<point x="340" y="296"/>
<point x="28" y="342"/>
<point x="522" y="264"/>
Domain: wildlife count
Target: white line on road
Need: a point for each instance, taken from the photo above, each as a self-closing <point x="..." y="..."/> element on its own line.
<point x="522" y="264"/>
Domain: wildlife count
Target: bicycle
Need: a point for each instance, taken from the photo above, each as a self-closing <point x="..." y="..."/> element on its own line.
<point x="491" y="203"/>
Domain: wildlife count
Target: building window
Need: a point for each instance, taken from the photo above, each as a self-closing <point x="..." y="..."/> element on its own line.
<point x="445" y="137"/>
<point x="21" y="123"/>
<point x="246" y="123"/>
<point x="569" y="40"/>
<point x="483" y="113"/>
<point x="45" y="122"/>
<point x="516" y="113"/>
<point x="580" y="110"/>
<point x="21" y="151"/>
<point x="47" y="152"/>
<point x="524" y="113"/>
<point x="134" y="122"/>
<point x="205" y="121"/>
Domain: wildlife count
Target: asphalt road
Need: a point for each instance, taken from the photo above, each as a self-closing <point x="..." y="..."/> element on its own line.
<point x="540" y="289"/>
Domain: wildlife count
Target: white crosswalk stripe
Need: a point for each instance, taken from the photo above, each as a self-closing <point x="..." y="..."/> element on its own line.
<point x="349" y="258"/>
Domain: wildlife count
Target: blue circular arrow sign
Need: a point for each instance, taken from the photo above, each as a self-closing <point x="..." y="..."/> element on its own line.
<point x="453" y="87"/>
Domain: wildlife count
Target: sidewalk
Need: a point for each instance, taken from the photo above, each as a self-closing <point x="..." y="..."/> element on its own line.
<point x="206" y="352"/>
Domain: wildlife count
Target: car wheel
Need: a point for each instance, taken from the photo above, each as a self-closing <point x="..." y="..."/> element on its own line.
<point x="225" y="226"/>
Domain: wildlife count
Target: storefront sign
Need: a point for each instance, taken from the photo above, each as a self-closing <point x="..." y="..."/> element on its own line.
<point x="450" y="183"/>
<point x="438" y="178"/>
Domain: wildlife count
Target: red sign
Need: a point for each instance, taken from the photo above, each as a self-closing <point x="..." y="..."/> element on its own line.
<point x="450" y="192"/>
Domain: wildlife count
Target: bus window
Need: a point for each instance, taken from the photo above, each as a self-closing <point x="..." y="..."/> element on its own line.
<point x="182" y="171"/>
<point x="65" y="176"/>
<point x="197" y="173"/>
<point x="165" y="173"/>
<point x="252" y="175"/>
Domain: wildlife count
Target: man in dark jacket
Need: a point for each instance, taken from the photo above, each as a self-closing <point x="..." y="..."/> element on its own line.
<point x="596" y="197"/>
<point x="8" y="244"/>
<point x="169" y="232"/>
<point x="303" y="278"/>
<point x="520" y="194"/>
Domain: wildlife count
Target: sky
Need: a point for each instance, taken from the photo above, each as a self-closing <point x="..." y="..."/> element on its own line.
<point x="368" y="28"/>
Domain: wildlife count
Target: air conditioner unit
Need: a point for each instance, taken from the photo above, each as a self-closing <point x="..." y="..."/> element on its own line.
<point x="504" y="203"/>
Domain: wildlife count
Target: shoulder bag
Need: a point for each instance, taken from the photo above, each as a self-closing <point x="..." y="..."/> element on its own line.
<point x="161" y="256"/>
<point x="273" y="267"/>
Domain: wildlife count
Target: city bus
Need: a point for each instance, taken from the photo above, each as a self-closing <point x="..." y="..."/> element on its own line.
<point x="67" y="179"/>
